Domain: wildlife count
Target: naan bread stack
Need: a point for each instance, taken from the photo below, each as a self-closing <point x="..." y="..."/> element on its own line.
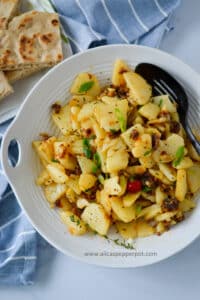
<point x="28" y="43"/>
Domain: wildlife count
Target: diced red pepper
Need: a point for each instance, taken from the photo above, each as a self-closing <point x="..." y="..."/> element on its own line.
<point x="134" y="186"/>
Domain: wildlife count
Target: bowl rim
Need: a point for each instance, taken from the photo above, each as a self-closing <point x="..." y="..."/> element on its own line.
<point x="7" y="169"/>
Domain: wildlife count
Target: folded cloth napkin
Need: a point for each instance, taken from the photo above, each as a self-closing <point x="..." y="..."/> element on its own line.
<point x="87" y="24"/>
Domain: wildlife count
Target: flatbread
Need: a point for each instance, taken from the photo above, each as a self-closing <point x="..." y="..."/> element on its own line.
<point x="16" y="75"/>
<point x="32" y="39"/>
<point x="8" y="9"/>
<point x="5" y="88"/>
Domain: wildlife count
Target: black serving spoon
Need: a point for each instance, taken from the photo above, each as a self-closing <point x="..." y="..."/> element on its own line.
<point x="163" y="83"/>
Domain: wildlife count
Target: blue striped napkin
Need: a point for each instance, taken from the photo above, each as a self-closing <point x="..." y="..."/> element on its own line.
<point x="87" y="24"/>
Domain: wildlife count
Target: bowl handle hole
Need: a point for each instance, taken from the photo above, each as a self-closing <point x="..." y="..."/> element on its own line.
<point x="14" y="153"/>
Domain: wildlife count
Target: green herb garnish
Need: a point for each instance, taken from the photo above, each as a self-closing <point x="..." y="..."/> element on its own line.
<point x="64" y="38"/>
<point x="97" y="159"/>
<point x="72" y="218"/>
<point x="86" y="148"/>
<point x="123" y="244"/>
<point x="138" y="209"/>
<point x="160" y="103"/>
<point x="55" y="160"/>
<point x="121" y="119"/>
<point x="101" y="179"/>
<point x="178" y="156"/>
<point x="78" y="222"/>
<point x="86" y="86"/>
<point x="147" y="152"/>
<point x="94" y="169"/>
<point x="146" y="189"/>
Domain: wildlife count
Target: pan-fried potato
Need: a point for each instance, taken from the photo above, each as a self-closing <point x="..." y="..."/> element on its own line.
<point x="45" y="150"/>
<point x="150" y="212"/>
<point x="127" y="135"/>
<point x="73" y="183"/>
<point x="150" y="111"/>
<point x="85" y="83"/>
<point x="174" y="142"/>
<point x="121" y="158"/>
<point x="74" y="224"/>
<point x="181" y="185"/>
<point x="127" y="230"/>
<point x="142" y="146"/>
<point x="164" y="103"/>
<point x="95" y="216"/>
<point x="105" y="201"/>
<point x="62" y="119"/>
<point x="186" y="205"/>
<point x="168" y="171"/>
<point x="125" y="214"/>
<point x="193" y="178"/>
<point x="119" y="69"/>
<point x="86" y="165"/>
<point x="107" y="114"/>
<point x="129" y="199"/>
<point x="44" y="178"/>
<point x="139" y="88"/>
<point x="57" y="172"/>
<point x="87" y="181"/>
<point x="144" y="229"/>
<point x="54" y="191"/>
<point x="116" y="161"/>
<point x="160" y="196"/>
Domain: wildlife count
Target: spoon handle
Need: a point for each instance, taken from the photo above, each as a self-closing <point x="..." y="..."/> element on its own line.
<point x="192" y="137"/>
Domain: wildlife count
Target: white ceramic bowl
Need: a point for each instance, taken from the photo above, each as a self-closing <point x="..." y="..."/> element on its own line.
<point x="34" y="117"/>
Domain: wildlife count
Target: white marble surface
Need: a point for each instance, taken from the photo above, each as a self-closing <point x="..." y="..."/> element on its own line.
<point x="61" y="277"/>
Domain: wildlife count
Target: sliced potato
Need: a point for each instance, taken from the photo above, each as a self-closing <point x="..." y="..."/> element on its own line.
<point x="112" y="186"/>
<point x="139" y="88"/>
<point x="95" y="216"/>
<point x="44" y="178"/>
<point x="125" y="214"/>
<point x="193" y="178"/>
<point x="116" y="161"/>
<point x="164" y="103"/>
<point x="186" y="205"/>
<point x="85" y="83"/>
<point x="87" y="181"/>
<point x="73" y="184"/>
<point x="150" y="212"/>
<point x="120" y="68"/>
<point x="130" y="198"/>
<point x="107" y="115"/>
<point x="75" y="225"/>
<point x="142" y="146"/>
<point x="104" y="200"/>
<point x="185" y="163"/>
<point x="86" y="165"/>
<point x="181" y="185"/>
<point x="159" y="175"/>
<point x="147" y="161"/>
<point x="86" y="111"/>
<point x="174" y="142"/>
<point x="192" y="152"/>
<point x="57" y="172"/>
<point x="138" y="169"/>
<point x="127" y="230"/>
<point x="127" y="135"/>
<point x="62" y="119"/>
<point x="54" y="191"/>
<point x="64" y="204"/>
<point x="144" y="229"/>
<point x="45" y="150"/>
<point x="160" y="196"/>
<point x="168" y="171"/>
<point x="150" y="111"/>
